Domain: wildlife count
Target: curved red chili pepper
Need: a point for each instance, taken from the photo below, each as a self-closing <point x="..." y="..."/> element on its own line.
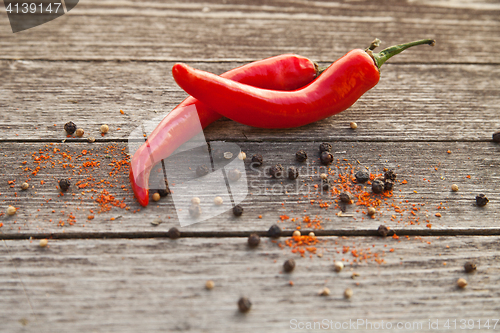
<point x="335" y="90"/>
<point x="284" y="72"/>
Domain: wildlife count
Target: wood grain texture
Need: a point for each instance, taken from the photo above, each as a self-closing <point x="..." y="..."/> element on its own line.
<point x="427" y="167"/>
<point x="158" y="285"/>
<point x="466" y="31"/>
<point x="410" y="103"/>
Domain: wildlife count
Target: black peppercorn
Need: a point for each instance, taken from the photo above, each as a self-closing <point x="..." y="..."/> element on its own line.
<point x="195" y="210"/>
<point x="237" y="210"/>
<point x="174" y="233"/>
<point x="325" y="146"/>
<point x="383" y="230"/>
<point x="390" y="175"/>
<point x="345" y="197"/>
<point x="378" y="186"/>
<point x="326" y="158"/>
<point x="276" y="171"/>
<point x="274" y="231"/>
<point x="164" y="192"/>
<point x="234" y="175"/>
<point x="289" y="265"/>
<point x="301" y="156"/>
<point x="70" y="127"/>
<point x="496" y="137"/>
<point x="253" y="240"/>
<point x="481" y="200"/>
<point x="202" y="170"/>
<point x="64" y="184"/>
<point x="326" y="185"/>
<point x="244" y="304"/>
<point x="293" y="173"/>
<point x="362" y="176"/>
<point x="469" y="267"/>
<point x="217" y="155"/>
<point x="388" y="185"/>
<point x="257" y="160"/>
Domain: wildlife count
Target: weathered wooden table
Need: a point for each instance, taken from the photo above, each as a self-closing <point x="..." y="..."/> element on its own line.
<point x="430" y="118"/>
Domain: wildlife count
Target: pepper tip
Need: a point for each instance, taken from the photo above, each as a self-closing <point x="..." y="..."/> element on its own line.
<point x="140" y="193"/>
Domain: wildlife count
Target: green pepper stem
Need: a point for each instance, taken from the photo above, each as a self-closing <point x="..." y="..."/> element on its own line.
<point x="384" y="55"/>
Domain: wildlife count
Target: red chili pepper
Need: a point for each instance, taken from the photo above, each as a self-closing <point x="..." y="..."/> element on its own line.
<point x="336" y="89"/>
<point x="285" y="72"/>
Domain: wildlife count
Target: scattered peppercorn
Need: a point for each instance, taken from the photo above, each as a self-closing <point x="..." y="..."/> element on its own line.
<point x="383" y="230"/>
<point x="202" y="170"/>
<point x="353" y="125"/>
<point x="25" y="186"/>
<point x="289" y="265"/>
<point x="293" y="173"/>
<point x="237" y="210"/>
<point x="470" y="267"/>
<point x="454" y="188"/>
<point x="242" y="155"/>
<point x="195" y="211"/>
<point x="362" y="176"/>
<point x="325" y="185"/>
<point x="156" y="196"/>
<point x="348" y="293"/>
<point x="324" y="292"/>
<point x="257" y="160"/>
<point x="378" y="186"/>
<point x="461" y="283"/>
<point x="79" y="132"/>
<point x="91" y="139"/>
<point x="244" y="304"/>
<point x="311" y="234"/>
<point x="338" y="266"/>
<point x="228" y="155"/>
<point x="496" y="137"/>
<point x="371" y="211"/>
<point x="164" y="192"/>
<point x="388" y="185"/>
<point x="234" y="175"/>
<point x="209" y="284"/>
<point x="104" y="129"/>
<point x="174" y="233"/>
<point x="296" y="233"/>
<point x="11" y="210"/>
<point x="481" y="200"/>
<point x="64" y="184"/>
<point x="390" y="175"/>
<point x="70" y="127"/>
<point x="218" y="201"/>
<point x="326" y="158"/>
<point x="325" y="146"/>
<point x="274" y="231"/>
<point x="44" y="242"/>
<point x="276" y="171"/>
<point x="217" y="155"/>
<point x="253" y="240"/>
<point x="345" y="197"/>
<point x="301" y="156"/>
<point x="323" y="176"/>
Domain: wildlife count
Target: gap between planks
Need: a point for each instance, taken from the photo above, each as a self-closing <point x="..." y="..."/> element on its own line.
<point x="122" y="140"/>
<point x="239" y="234"/>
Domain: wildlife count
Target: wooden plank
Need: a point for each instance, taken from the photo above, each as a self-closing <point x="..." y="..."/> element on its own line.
<point x="428" y="169"/>
<point x="411" y="102"/>
<point x="466" y="31"/>
<point x="158" y="285"/>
